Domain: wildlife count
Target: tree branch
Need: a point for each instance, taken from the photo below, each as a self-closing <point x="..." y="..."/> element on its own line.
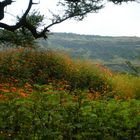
<point x="24" y="23"/>
<point x="3" y="4"/>
<point x="75" y="11"/>
<point x="20" y="23"/>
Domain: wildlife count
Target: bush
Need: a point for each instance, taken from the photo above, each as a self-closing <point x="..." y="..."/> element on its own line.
<point x="51" y="114"/>
<point x="45" y="95"/>
<point x="22" y="66"/>
<point x="27" y="65"/>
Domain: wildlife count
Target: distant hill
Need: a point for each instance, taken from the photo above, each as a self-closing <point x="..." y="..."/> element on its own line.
<point x="111" y="51"/>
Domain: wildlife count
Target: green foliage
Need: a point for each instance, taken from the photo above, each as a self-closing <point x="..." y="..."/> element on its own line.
<point x="20" y="66"/>
<point x="27" y="65"/>
<point x="45" y="95"/>
<point x="51" y="114"/>
<point x="17" y="38"/>
<point x="135" y="70"/>
<point x="126" y="85"/>
<point x="22" y="37"/>
<point x="35" y="18"/>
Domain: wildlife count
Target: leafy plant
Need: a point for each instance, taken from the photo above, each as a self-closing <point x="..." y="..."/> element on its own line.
<point x="48" y="113"/>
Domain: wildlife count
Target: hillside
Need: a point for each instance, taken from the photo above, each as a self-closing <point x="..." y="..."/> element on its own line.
<point x="111" y="51"/>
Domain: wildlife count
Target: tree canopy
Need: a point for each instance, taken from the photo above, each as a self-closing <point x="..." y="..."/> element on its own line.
<point x="76" y="9"/>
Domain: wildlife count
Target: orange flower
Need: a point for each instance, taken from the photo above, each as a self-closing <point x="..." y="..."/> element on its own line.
<point x="13" y="89"/>
<point x="90" y="96"/>
<point x="23" y="94"/>
<point x="1" y="96"/>
<point x="117" y="97"/>
<point x="16" y="81"/>
<point x="27" y="85"/>
<point x="97" y="95"/>
<point x="1" y="86"/>
<point x="60" y="89"/>
<point x="30" y="90"/>
<point x="5" y="90"/>
<point x="50" y="92"/>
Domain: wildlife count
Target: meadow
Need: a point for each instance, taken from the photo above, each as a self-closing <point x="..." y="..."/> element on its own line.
<point x="46" y="95"/>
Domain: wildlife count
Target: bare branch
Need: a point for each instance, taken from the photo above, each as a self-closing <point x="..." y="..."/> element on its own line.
<point x="3" y="4"/>
<point x="20" y="23"/>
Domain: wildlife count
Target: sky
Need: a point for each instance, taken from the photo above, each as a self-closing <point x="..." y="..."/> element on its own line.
<point x="113" y="20"/>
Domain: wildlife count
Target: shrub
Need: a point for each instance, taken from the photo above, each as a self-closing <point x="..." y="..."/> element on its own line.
<point x="27" y="65"/>
<point x="22" y="66"/>
<point x="51" y="114"/>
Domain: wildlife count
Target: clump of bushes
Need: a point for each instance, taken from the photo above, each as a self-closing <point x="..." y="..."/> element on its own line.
<point x="39" y="67"/>
<point x="46" y="95"/>
<point x="50" y="113"/>
<point x="26" y="65"/>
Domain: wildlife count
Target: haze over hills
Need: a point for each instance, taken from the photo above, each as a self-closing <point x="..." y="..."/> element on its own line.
<point x="110" y="51"/>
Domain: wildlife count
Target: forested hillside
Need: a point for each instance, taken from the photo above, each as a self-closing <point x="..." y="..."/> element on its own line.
<point x="111" y="51"/>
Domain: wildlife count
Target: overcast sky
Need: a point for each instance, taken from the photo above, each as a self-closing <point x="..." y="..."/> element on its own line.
<point x="113" y="20"/>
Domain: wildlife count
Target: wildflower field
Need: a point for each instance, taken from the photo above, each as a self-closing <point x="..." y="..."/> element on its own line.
<point x="45" y="95"/>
